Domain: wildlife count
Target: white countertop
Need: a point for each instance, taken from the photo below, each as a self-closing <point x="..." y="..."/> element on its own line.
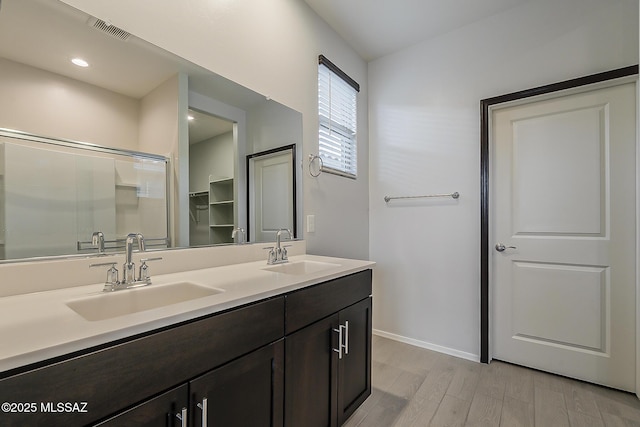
<point x="39" y="326"/>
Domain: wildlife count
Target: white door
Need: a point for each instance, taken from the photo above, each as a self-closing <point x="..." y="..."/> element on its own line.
<point x="563" y="203"/>
<point x="271" y="192"/>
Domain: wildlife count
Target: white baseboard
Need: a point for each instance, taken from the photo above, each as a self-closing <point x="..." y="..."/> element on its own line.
<point x="428" y="346"/>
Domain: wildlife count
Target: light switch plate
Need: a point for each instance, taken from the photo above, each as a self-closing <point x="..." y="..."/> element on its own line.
<point x="311" y="223"/>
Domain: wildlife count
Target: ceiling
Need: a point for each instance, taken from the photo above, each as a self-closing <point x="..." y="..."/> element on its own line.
<point x="376" y="28"/>
<point x="46" y="34"/>
<point x="205" y="126"/>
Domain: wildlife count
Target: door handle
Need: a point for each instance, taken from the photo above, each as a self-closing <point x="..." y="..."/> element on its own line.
<point x="501" y="247"/>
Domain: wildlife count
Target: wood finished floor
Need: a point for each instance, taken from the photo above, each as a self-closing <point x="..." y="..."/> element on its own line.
<point x="417" y="387"/>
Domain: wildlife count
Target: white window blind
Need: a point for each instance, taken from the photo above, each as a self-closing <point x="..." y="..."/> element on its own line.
<point x="337" y="120"/>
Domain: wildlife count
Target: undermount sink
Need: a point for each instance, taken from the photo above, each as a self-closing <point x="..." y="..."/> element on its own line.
<point x="301" y="267"/>
<point x="128" y="301"/>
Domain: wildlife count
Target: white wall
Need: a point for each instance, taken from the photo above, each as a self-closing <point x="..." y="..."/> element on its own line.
<point x="213" y="156"/>
<point x="158" y="129"/>
<point x="160" y="133"/>
<point x="44" y="103"/>
<point x="273" y="125"/>
<point x="271" y="47"/>
<point x="424" y="136"/>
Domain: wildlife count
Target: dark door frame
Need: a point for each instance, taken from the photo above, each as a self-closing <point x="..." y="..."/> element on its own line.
<point x="249" y="157"/>
<point x="485" y="106"/>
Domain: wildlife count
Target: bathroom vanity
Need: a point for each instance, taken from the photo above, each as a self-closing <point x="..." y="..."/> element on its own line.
<point x="280" y="346"/>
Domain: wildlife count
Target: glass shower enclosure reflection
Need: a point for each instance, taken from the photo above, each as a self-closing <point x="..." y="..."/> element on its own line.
<point x="55" y="194"/>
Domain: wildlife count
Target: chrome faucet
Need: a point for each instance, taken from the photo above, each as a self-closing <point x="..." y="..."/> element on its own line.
<point x="97" y="240"/>
<point x="239" y="231"/>
<point x="129" y="280"/>
<point x="278" y="254"/>
<point x="129" y="268"/>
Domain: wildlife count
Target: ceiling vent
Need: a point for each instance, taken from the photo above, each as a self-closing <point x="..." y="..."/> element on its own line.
<point x="108" y="28"/>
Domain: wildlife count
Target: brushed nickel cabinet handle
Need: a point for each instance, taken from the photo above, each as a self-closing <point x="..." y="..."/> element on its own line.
<point x="203" y="407"/>
<point x="182" y="416"/>
<point x="339" y="349"/>
<point x="346" y="337"/>
<point x="343" y="340"/>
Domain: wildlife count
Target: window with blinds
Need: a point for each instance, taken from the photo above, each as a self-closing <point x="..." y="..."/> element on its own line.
<point x="337" y="95"/>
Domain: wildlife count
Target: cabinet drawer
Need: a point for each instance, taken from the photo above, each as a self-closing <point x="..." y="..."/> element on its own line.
<point x="308" y="305"/>
<point x="113" y="378"/>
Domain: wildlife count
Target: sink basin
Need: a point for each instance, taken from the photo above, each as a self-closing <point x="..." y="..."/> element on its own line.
<point x="120" y="303"/>
<point x="301" y="267"/>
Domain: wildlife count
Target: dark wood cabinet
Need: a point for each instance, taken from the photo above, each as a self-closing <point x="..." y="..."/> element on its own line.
<point x="354" y="369"/>
<point x="328" y="363"/>
<point x="124" y="374"/>
<point x="310" y="304"/>
<point x="272" y="363"/>
<point x="311" y="375"/>
<point x="162" y="411"/>
<point x="246" y="392"/>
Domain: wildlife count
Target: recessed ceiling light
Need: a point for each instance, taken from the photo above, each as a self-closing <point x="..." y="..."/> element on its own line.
<point x="80" y="62"/>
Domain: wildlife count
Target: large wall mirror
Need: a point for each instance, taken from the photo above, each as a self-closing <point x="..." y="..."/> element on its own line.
<point x="138" y="101"/>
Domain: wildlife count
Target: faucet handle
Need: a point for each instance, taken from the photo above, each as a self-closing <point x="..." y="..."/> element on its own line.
<point x="144" y="274"/>
<point x="112" y="278"/>
<point x="102" y="264"/>
<point x="112" y="275"/>
<point x="272" y="258"/>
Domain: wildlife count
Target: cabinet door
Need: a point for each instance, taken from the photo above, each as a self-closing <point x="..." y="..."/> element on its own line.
<point x="354" y="370"/>
<point x="157" y="412"/>
<point x="245" y="392"/>
<point x="311" y="375"/>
